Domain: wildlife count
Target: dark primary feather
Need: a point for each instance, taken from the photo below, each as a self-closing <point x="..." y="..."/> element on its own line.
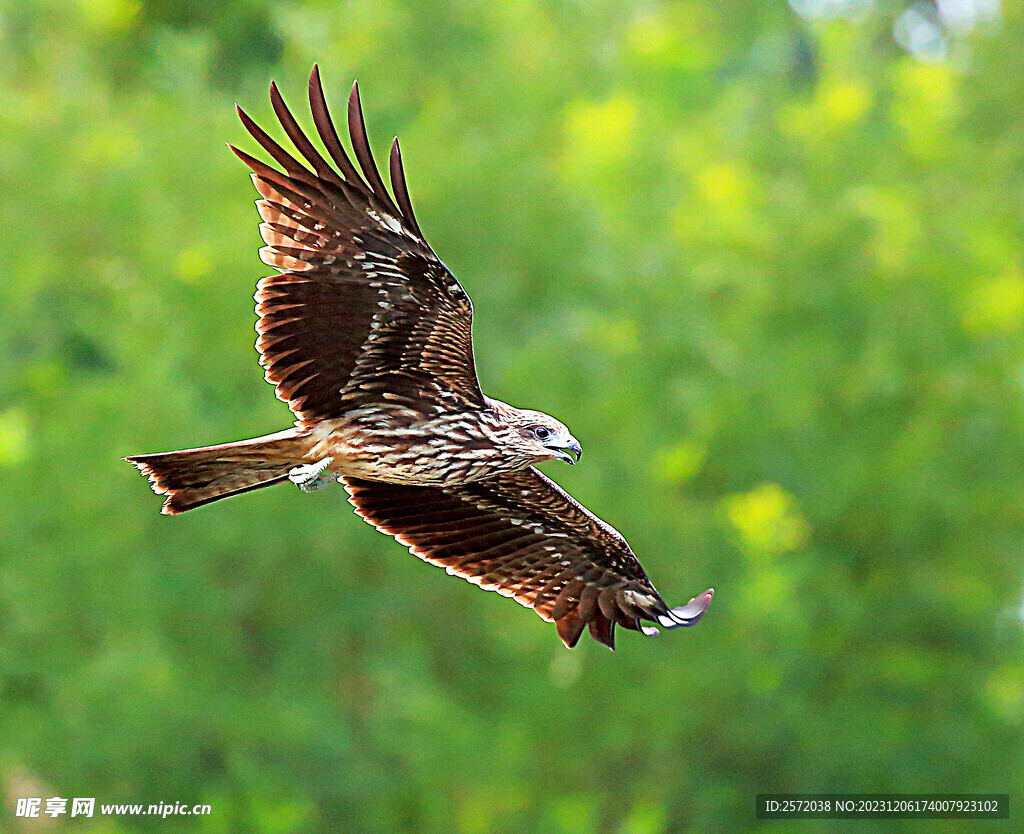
<point x="325" y="128"/>
<point x="362" y="306"/>
<point x="523" y="536"/>
<point x="361" y="146"/>
<point x="400" y="187"/>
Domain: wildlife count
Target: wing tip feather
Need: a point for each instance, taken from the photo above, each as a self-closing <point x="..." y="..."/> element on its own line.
<point x="689" y="614"/>
<point x="364" y="155"/>
<point x="569" y="629"/>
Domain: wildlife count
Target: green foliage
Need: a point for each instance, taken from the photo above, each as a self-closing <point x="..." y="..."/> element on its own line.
<point x="768" y="270"/>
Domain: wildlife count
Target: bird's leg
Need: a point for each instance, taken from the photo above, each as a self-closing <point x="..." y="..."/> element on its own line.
<point x="312" y="476"/>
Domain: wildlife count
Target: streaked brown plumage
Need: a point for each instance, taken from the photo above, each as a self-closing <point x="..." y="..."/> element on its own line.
<point x="368" y="338"/>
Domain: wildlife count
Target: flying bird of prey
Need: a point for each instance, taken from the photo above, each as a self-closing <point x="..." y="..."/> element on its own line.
<point x="368" y="338"/>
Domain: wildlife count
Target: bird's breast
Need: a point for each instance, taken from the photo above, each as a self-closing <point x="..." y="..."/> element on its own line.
<point x="436" y="451"/>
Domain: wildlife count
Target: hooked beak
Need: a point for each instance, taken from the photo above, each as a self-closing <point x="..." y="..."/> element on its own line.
<point x="570" y="453"/>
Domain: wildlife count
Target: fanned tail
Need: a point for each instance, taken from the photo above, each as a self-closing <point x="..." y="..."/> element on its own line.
<point x="193" y="477"/>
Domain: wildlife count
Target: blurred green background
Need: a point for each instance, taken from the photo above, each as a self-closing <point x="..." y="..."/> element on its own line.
<point x="765" y="259"/>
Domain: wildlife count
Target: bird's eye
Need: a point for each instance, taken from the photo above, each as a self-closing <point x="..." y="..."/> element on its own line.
<point x="542" y="433"/>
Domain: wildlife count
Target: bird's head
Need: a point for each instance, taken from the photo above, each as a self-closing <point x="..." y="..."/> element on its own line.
<point x="542" y="437"/>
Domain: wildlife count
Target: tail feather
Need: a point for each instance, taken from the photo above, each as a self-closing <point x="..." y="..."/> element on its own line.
<point x="193" y="477"/>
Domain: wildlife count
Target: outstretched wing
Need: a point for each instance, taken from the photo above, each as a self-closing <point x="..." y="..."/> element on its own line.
<point x="362" y="311"/>
<point x="522" y="535"/>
